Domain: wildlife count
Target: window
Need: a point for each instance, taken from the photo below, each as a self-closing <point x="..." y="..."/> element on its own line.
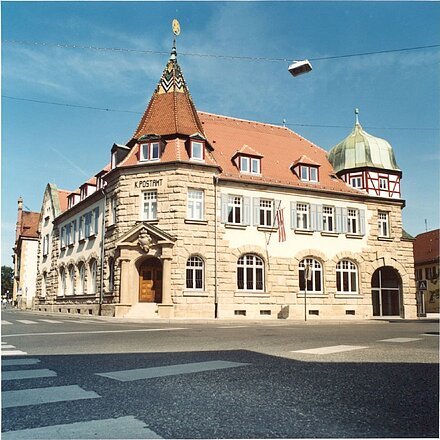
<point x="113" y="161"/>
<point x="81" y="228"/>
<point x="328" y="218"/>
<point x="63" y="282"/>
<point x="150" y="151"/>
<point x="82" y="280"/>
<point x="235" y="207"/>
<point x="194" y="273"/>
<point x="71" y="233"/>
<point x="93" y="272"/>
<point x="112" y="219"/>
<point x="266" y="212"/>
<point x="356" y="182"/>
<point x="346" y="277"/>
<point x="197" y="150"/>
<point x="419" y="274"/>
<point x="383" y="183"/>
<point x="195" y="204"/>
<point x="149" y="205"/>
<point x="111" y="274"/>
<point x="428" y="273"/>
<point x="308" y="173"/>
<point x="314" y="284"/>
<point x="353" y="221"/>
<point x="71" y="280"/>
<point x="63" y="237"/>
<point x="384" y="230"/>
<point x="88" y="224"/>
<point x="249" y="165"/>
<point x="96" y="220"/>
<point x="45" y="245"/>
<point x="250" y="273"/>
<point x="302" y="216"/>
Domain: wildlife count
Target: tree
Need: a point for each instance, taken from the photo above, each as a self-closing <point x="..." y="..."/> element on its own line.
<point x="7" y="280"/>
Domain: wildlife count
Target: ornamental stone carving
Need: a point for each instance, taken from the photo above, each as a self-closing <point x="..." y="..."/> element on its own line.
<point x="145" y="241"/>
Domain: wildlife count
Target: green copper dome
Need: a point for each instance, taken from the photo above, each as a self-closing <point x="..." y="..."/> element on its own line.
<point x="361" y="150"/>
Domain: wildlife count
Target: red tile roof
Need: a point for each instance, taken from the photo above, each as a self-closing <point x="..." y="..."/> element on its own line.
<point x="29" y="225"/>
<point x="62" y="197"/>
<point x="426" y="247"/>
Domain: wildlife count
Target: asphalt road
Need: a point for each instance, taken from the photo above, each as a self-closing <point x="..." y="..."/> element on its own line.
<point x="101" y="378"/>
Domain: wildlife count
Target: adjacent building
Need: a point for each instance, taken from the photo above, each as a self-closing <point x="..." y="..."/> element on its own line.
<point x="427" y="267"/>
<point x="25" y="257"/>
<point x="205" y="215"/>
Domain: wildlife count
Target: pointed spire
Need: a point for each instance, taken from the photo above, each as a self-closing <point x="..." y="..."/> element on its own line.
<point x="356" y="112"/>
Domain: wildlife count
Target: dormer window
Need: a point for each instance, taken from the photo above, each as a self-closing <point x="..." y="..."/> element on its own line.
<point x="197" y="151"/>
<point x="249" y="165"/>
<point x="309" y="173"/>
<point x="150" y="151"/>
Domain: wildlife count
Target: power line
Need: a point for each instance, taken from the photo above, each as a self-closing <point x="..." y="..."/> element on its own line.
<point x="205" y="55"/>
<point x="273" y="123"/>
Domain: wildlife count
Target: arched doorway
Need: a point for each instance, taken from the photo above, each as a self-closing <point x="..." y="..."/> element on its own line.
<point x="150" y="281"/>
<point x="386" y="292"/>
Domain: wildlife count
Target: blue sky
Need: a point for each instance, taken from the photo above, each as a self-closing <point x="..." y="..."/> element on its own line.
<point x="397" y="93"/>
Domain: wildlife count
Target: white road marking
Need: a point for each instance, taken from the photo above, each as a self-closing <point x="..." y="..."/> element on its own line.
<point x="8" y="346"/>
<point x="13" y="352"/>
<point x="97" y="332"/>
<point x="27" y="374"/>
<point x="50" y="321"/>
<point x="430" y="334"/>
<point x="401" y="340"/>
<point x="38" y="396"/>
<point x="4" y="342"/>
<point x="15" y="362"/>
<point x="6" y="322"/>
<point x="121" y="427"/>
<point x="233" y="326"/>
<point x="26" y="321"/>
<point x="169" y="370"/>
<point x="330" y="350"/>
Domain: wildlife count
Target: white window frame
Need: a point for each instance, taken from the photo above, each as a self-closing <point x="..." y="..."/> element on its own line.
<point x="81" y="228"/>
<point x="63" y="282"/>
<point x="194" y="150"/>
<point x="356" y="182"/>
<point x="384" y="224"/>
<point x="150" y="151"/>
<point x="303" y="216"/>
<point x="195" y="273"/>
<point x="253" y="266"/>
<point x="93" y="268"/>
<point x="45" y="245"/>
<point x="347" y="277"/>
<point x="95" y="217"/>
<point x="148" y="205"/>
<point x="353" y="221"/>
<point x="88" y="228"/>
<point x="328" y="219"/>
<point x="245" y="164"/>
<point x="71" y="275"/>
<point x="82" y="279"/>
<point x="235" y="209"/>
<point x="195" y="204"/>
<point x="266" y="213"/>
<point x="316" y="276"/>
<point x="313" y="174"/>
<point x="383" y="183"/>
<point x="255" y="165"/>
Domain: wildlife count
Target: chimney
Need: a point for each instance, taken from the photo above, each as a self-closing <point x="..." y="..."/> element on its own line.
<point x="19" y="219"/>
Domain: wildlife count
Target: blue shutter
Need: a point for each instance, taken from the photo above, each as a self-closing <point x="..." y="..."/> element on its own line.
<point x="362" y="221"/>
<point x="96" y="210"/>
<point x="293" y="215"/>
<point x="338" y="220"/>
<point x="256" y="214"/>
<point x="246" y="211"/>
<point x="74" y="231"/>
<point x="312" y="221"/>
<point x="344" y="220"/>
<point x="319" y="220"/>
<point x="276" y="207"/>
<point x="224" y="208"/>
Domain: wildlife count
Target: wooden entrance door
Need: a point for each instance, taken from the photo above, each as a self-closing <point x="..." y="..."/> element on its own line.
<point x="150" y="281"/>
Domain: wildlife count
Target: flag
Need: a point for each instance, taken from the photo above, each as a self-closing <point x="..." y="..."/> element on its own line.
<point x="281" y="230"/>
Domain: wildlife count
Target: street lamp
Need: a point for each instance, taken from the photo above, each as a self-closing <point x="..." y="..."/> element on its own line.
<point x="299" y="67"/>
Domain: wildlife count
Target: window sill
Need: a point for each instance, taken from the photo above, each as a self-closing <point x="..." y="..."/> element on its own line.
<point x="195" y="159"/>
<point x="329" y="234"/>
<point x="111" y="227"/>
<point x="385" y="239"/>
<point x="91" y="236"/>
<point x="234" y="226"/>
<point x="149" y="160"/>
<point x="267" y="228"/>
<point x="71" y="245"/>
<point x="150" y="222"/>
<point x="303" y="232"/>
<point x="358" y="236"/>
<point x="252" y="293"/>
<point x="81" y="240"/>
<point x="348" y="295"/>
<point x="198" y="293"/>
<point x="195" y="222"/>
<point x="311" y="295"/>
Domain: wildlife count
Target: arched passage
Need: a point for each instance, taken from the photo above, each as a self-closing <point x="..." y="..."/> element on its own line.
<point x="386" y="291"/>
<point x="150" y="280"/>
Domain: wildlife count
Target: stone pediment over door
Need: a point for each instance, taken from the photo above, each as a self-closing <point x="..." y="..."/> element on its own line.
<point x="146" y="239"/>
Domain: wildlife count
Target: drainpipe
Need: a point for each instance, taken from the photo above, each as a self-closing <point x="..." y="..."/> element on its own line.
<point x="101" y="292"/>
<point x="215" y="249"/>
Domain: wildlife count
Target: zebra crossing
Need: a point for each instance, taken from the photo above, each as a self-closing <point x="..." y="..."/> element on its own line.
<point x="49" y="321"/>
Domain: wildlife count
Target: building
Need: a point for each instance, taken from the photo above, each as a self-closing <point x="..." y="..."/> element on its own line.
<point x="203" y="215"/>
<point x="25" y="257"/>
<point x="427" y="267"/>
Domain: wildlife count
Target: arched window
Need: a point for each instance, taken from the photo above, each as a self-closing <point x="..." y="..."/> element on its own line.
<point x="82" y="279"/>
<point x="314" y="279"/>
<point x="111" y="274"/>
<point x="63" y="282"/>
<point x="250" y="273"/>
<point x="93" y="272"/>
<point x="71" y="280"/>
<point x="346" y="277"/>
<point x="194" y="273"/>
